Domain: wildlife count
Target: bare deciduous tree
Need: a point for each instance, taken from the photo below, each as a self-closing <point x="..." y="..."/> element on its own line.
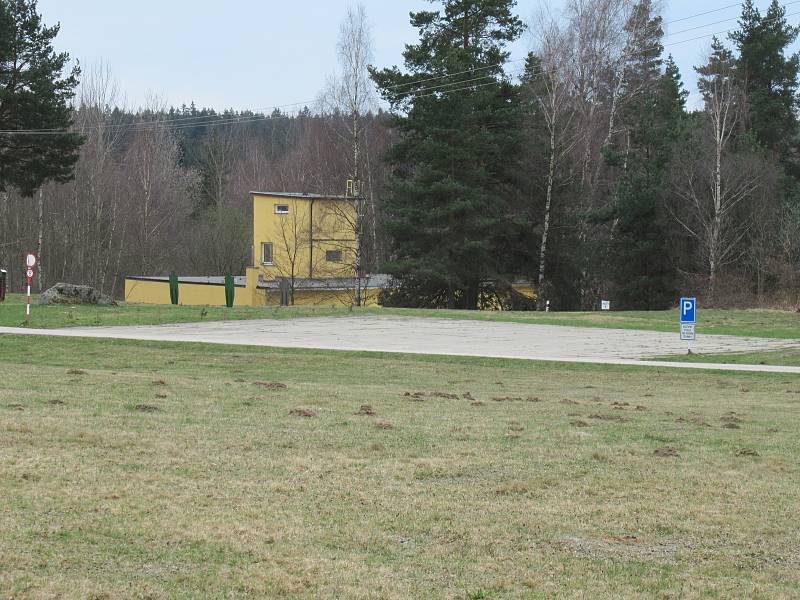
<point x="293" y="241"/>
<point x="158" y="195"/>
<point x="350" y="94"/>
<point x="713" y="179"/>
<point x="550" y="87"/>
<point x="217" y="242"/>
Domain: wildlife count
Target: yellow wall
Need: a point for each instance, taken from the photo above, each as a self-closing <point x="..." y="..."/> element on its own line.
<point x="525" y="288"/>
<point x="301" y="238"/>
<point x="317" y="297"/>
<point x="189" y="294"/>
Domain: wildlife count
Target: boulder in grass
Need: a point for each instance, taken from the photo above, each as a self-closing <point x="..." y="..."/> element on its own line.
<point x="70" y="293"/>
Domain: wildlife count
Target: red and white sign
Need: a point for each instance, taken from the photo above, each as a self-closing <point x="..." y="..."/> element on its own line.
<point x="30" y="263"/>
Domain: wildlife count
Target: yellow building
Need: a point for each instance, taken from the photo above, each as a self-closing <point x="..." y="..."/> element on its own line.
<point x="304" y="252"/>
<point x="303" y="236"/>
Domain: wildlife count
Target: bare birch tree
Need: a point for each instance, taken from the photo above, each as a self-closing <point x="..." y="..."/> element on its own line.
<point x="715" y="182"/>
<point x="550" y="87"/>
<point x="350" y="94"/>
<point x="596" y="56"/>
<point x="158" y="197"/>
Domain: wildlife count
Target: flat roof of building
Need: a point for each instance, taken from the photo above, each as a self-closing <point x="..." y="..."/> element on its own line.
<point x="374" y="281"/>
<point x="238" y="280"/>
<point x="302" y="195"/>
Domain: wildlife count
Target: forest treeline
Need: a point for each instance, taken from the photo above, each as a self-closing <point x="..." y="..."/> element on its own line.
<point x="169" y="190"/>
<point x="580" y="169"/>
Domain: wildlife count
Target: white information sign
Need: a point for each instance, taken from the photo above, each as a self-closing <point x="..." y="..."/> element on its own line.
<point x="687" y="332"/>
<point x="605" y="305"/>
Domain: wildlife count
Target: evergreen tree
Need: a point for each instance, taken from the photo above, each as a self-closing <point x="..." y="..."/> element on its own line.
<point x="718" y="74"/>
<point x="451" y="198"/>
<point x="645" y="47"/>
<point x="542" y="103"/>
<point x="642" y="269"/>
<point x="768" y="77"/>
<point x="34" y="94"/>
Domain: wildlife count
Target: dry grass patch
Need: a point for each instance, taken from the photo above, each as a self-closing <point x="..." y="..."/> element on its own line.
<point x="231" y="493"/>
<point x="271" y="385"/>
<point x="666" y="452"/>
<point x="302" y="412"/>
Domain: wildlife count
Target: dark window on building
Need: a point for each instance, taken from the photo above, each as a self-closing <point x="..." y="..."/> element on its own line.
<point x="266" y="253"/>
<point x="333" y="255"/>
<point x="281" y="209"/>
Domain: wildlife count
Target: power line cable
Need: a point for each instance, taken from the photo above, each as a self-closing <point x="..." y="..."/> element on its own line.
<point x="476" y="69"/>
<point x="686" y="18"/>
<point x="222" y="119"/>
<point x="216" y="119"/>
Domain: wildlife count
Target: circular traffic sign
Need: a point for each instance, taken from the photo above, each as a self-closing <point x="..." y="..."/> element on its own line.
<point x="30" y="260"/>
<point x="29" y="273"/>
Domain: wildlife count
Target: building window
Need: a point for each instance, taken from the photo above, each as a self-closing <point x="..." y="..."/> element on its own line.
<point x="333" y="255"/>
<point x="266" y="253"/>
<point x="281" y="209"/>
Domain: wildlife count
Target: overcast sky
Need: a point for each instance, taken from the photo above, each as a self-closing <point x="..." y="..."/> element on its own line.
<point x="256" y="54"/>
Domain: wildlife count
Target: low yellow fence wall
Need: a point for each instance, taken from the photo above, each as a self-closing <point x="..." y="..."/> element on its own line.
<point x="138" y="291"/>
<point x="317" y="297"/>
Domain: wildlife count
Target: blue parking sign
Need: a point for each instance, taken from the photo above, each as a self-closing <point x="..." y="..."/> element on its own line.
<point x="687" y="310"/>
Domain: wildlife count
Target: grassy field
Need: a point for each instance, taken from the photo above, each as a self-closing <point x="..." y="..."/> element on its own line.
<point x="12" y="314"/>
<point x="786" y="358"/>
<point x="149" y="470"/>
<point x="752" y="322"/>
<point x="760" y="323"/>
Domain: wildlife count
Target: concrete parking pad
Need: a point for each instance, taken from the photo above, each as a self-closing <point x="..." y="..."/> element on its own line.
<point x="445" y="336"/>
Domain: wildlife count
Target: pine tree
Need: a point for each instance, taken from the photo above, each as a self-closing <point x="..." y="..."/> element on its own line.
<point x="642" y="268"/>
<point x="451" y="197"/>
<point x="35" y="93"/>
<point x="768" y="77"/>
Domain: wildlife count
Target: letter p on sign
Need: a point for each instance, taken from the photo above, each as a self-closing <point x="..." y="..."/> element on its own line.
<point x="688" y="306"/>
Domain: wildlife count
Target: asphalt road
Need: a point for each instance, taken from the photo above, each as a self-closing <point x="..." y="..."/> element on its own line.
<point x="445" y="336"/>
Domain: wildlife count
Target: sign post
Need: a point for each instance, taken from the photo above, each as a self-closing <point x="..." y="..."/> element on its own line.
<point x="688" y="317"/>
<point x="30" y="265"/>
